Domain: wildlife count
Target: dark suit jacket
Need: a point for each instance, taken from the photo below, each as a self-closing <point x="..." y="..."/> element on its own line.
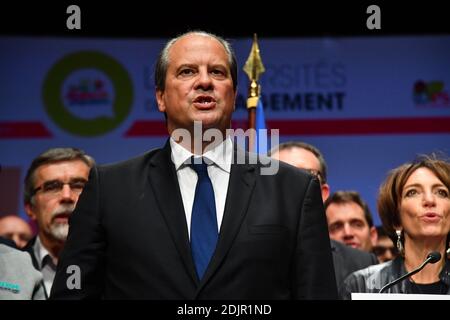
<point x="129" y="236"/>
<point x="347" y="260"/>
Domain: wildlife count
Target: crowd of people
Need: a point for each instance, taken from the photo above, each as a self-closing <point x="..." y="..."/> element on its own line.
<point x="189" y="221"/>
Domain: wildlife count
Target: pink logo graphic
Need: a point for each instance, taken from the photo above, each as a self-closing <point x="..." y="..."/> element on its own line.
<point x="87" y="91"/>
<point x="431" y="94"/>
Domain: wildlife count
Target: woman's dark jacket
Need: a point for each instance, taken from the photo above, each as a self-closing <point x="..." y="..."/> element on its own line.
<point x="373" y="278"/>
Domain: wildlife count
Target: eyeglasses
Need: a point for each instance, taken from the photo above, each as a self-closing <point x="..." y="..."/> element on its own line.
<point x="379" y="250"/>
<point x="54" y="187"/>
<point x="316" y="174"/>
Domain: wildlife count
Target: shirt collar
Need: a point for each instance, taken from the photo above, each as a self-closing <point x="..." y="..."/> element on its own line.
<point x="40" y="252"/>
<point x="220" y="155"/>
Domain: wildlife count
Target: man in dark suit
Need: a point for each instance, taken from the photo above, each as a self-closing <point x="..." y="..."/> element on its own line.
<point x="307" y="157"/>
<point x="135" y="231"/>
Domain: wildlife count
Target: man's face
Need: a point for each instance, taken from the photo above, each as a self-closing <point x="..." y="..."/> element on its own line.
<point x="303" y="159"/>
<point x="51" y="207"/>
<point x="347" y="224"/>
<point x="16" y="229"/>
<point x="385" y="249"/>
<point x="198" y="85"/>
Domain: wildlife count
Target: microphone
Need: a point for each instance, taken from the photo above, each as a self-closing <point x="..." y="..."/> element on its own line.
<point x="432" y="257"/>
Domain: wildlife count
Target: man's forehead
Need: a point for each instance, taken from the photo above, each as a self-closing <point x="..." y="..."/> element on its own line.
<point x="55" y="169"/>
<point x="190" y="46"/>
<point x="11" y="221"/>
<point x="195" y="39"/>
<point x="385" y="241"/>
<point x="300" y="158"/>
<point x="348" y="208"/>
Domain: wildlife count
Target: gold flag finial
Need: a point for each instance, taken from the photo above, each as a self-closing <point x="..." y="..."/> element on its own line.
<point x="253" y="68"/>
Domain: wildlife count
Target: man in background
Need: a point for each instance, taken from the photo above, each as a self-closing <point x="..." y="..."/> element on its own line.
<point x="53" y="184"/>
<point x="384" y="249"/>
<point x="307" y="157"/>
<point x="350" y="220"/>
<point x="15" y="228"/>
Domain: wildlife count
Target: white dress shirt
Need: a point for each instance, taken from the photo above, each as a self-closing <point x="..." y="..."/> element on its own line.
<point x="219" y="173"/>
<point x="46" y="264"/>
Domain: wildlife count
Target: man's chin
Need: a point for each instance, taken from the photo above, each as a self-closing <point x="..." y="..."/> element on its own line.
<point x="59" y="231"/>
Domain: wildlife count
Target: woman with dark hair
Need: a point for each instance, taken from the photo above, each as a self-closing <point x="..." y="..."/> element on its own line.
<point x="414" y="207"/>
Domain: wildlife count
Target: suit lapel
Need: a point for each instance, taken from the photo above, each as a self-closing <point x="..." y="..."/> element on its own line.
<point x="163" y="179"/>
<point x="240" y="188"/>
<point x="30" y="249"/>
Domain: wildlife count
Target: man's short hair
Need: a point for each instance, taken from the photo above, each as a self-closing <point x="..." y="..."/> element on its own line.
<point x="162" y="64"/>
<point x="381" y="232"/>
<point x="341" y="197"/>
<point x="306" y="146"/>
<point x="53" y="155"/>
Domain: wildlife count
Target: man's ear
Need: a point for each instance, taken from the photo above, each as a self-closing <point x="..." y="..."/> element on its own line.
<point x="160" y="100"/>
<point x="30" y="211"/>
<point x="325" y="191"/>
<point x="373" y="236"/>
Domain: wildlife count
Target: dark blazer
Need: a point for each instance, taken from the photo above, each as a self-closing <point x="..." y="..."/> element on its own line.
<point x="129" y="236"/>
<point x="347" y="260"/>
<point x="373" y="278"/>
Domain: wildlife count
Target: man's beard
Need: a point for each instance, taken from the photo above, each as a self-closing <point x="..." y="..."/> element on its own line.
<point x="59" y="231"/>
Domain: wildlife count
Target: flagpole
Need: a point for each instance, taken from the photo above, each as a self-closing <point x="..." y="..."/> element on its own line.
<point x="253" y="68"/>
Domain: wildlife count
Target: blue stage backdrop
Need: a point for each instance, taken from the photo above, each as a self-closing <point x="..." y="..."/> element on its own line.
<point x="369" y="103"/>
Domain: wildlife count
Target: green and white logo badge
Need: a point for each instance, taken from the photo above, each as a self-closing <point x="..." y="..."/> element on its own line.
<point x="88" y="93"/>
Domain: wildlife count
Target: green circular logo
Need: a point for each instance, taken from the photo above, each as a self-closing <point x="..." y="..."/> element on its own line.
<point x="88" y="94"/>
